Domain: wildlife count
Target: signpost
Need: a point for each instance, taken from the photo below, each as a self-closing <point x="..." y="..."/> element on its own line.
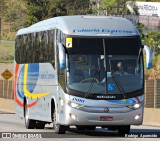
<point x="6" y="74"/>
<point x="148" y="8"/>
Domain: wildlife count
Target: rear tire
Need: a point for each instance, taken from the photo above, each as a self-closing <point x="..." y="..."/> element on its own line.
<point x="29" y="124"/>
<point x="122" y="130"/>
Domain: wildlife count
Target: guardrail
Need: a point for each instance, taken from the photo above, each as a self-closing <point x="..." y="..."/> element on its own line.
<point x="6" y="89"/>
<point x="152" y="92"/>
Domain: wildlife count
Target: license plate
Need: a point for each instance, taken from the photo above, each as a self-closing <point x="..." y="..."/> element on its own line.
<point x="106" y="118"/>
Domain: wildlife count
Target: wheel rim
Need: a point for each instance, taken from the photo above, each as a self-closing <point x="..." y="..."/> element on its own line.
<point x="54" y="119"/>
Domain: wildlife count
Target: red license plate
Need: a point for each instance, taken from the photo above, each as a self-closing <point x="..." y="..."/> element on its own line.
<point x="106" y="118"/>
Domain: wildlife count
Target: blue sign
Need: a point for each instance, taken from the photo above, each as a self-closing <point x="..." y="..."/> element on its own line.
<point x="110" y="87"/>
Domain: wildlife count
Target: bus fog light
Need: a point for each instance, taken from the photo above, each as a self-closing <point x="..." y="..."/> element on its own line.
<point x="73" y="116"/>
<point x="62" y="102"/>
<point x="137" y="117"/>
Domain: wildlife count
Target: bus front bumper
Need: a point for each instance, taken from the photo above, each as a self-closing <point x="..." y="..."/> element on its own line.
<point x="72" y="116"/>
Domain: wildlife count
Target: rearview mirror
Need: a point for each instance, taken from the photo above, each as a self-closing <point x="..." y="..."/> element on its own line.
<point x="149" y="56"/>
<point x="62" y="56"/>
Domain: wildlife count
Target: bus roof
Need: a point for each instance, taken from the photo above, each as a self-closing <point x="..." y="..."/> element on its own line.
<point x="85" y="26"/>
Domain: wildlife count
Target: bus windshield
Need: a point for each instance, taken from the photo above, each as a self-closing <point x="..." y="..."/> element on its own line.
<point x="95" y="71"/>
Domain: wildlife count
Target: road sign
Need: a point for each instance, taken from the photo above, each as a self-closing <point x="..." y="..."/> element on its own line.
<point x="6" y="74"/>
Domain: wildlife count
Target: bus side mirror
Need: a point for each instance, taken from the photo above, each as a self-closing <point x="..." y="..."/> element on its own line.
<point x="149" y="56"/>
<point x="62" y="56"/>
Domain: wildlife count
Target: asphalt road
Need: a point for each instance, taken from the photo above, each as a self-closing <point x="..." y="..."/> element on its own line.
<point x="13" y="125"/>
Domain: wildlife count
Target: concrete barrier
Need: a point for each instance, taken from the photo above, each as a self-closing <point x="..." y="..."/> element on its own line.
<point x="7" y="105"/>
<point x="151" y="115"/>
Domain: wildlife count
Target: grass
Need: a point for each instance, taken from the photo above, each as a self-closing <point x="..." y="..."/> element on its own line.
<point x="6" y="51"/>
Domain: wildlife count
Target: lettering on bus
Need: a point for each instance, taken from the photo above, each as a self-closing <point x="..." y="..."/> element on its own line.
<point x="108" y="97"/>
<point x="46" y="76"/>
<point x="78" y="100"/>
<point x="103" y="31"/>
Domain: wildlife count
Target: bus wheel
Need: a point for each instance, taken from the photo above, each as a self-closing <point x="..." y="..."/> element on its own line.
<point x="59" y="129"/>
<point x="81" y="127"/>
<point x="122" y="130"/>
<point x="91" y="127"/>
<point x="29" y="124"/>
<point x="40" y="125"/>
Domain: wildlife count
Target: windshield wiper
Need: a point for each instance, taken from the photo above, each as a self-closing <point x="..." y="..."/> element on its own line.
<point x="94" y="78"/>
<point x="105" y="65"/>
<point x="118" y="84"/>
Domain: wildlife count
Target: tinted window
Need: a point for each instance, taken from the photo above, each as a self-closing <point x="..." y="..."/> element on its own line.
<point x="114" y="46"/>
<point x="35" y="48"/>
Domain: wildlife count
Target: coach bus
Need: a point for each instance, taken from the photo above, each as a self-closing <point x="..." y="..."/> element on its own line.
<point x="65" y="74"/>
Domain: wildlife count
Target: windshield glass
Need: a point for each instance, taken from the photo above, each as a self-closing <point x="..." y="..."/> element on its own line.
<point x="86" y="69"/>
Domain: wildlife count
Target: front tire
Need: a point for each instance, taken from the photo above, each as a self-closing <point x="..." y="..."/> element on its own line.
<point x="81" y="127"/>
<point x="122" y="130"/>
<point x="84" y="127"/>
<point x="59" y="129"/>
<point x="29" y="124"/>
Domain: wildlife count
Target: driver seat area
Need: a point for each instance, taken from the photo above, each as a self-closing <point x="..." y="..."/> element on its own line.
<point x="77" y="76"/>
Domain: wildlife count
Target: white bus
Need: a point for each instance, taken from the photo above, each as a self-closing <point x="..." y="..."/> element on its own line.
<point x="66" y="73"/>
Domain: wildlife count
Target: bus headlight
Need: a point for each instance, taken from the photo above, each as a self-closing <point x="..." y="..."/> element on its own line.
<point x="74" y="105"/>
<point x="135" y="106"/>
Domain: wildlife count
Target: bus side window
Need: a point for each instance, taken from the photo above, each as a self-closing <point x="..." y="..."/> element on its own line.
<point x="17" y="50"/>
<point x="43" y="47"/>
<point x="29" y="49"/>
<point x="51" y="47"/>
<point x="26" y="47"/>
<point x="21" y="49"/>
<point x="37" y="47"/>
<point x="33" y="49"/>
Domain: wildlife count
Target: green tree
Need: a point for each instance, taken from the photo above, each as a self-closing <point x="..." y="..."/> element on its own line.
<point x="152" y="40"/>
<point x="115" y="7"/>
<point x="77" y="7"/>
<point x="38" y="10"/>
<point x="13" y="12"/>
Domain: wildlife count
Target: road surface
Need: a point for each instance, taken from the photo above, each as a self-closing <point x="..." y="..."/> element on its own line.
<point x="12" y="124"/>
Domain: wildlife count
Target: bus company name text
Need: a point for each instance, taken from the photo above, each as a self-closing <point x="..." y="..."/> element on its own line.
<point x="102" y="31"/>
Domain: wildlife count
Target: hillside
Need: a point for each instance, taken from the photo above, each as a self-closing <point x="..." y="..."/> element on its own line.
<point x="13" y="15"/>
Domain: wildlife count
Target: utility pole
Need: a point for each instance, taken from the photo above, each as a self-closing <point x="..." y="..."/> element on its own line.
<point x="96" y="3"/>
